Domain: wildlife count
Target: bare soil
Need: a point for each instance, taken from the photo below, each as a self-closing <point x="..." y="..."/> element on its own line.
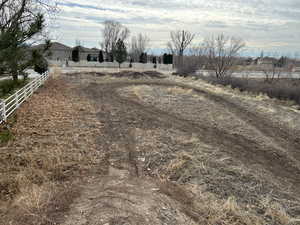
<point x="178" y="151"/>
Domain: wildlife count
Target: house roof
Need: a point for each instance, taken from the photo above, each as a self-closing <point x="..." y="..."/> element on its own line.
<point x="59" y="46"/>
<point x="54" y="46"/>
<point x="62" y="47"/>
<point x="90" y="50"/>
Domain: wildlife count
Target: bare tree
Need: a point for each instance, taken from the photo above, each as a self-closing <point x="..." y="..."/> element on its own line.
<point x="192" y="62"/>
<point x="78" y="42"/>
<point x="273" y="67"/>
<point x="21" y="12"/>
<point x="196" y="50"/>
<point x="139" y="45"/>
<point x="222" y="52"/>
<point x="180" y="40"/>
<point x="112" y="32"/>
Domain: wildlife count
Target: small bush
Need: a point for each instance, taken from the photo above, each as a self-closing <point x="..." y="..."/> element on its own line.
<point x="39" y="63"/>
<point x="5" y="136"/>
<point x="188" y="67"/>
<point x="41" y="66"/>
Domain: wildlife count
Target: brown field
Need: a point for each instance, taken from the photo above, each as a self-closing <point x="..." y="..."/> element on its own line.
<point x="145" y="148"/>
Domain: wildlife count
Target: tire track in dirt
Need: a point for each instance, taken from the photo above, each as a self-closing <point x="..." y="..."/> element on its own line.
<point x="285" y="138"/>
<point x="238" y="146"/>
<point x="119" y="195"/>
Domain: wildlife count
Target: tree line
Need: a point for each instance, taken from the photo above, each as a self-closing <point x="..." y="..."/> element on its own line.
<point x="22" y="21"/>
<point x="220" y="52"/>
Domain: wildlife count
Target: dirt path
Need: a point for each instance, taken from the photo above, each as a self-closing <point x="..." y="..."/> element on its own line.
<point x="132" y="188"/>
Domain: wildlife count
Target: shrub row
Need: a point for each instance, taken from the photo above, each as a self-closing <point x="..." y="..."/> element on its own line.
<point x="284" y="89"/>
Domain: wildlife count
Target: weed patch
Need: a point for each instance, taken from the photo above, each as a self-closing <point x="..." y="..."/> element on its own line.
<point x="283" y="89"/>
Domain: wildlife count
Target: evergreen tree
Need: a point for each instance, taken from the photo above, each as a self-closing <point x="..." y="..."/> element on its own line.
<point x="165" y="58"/>
<point x="120" y="52"/>
<point x="40" y="64"/>
<point x="75" y="54"/>
<point x="20" y="21"/>
<point x="170" y="59"/>
<point x="13" y="50"/>
<point x="282" y="61"/>
<point x="100" y="57"/>
<point x="89" y="58"/>
<point x="154" y="60"/>
<point x="143" y="57"/>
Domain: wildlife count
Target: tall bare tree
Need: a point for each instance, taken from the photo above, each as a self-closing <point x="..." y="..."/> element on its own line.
<point x="180" y="40"/>
<point x="112" y="32"/>
<point x="222" y="52"/>
<point x="139" y="45"/>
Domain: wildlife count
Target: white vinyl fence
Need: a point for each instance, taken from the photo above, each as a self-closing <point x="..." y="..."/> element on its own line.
<point x="13" y="102"/>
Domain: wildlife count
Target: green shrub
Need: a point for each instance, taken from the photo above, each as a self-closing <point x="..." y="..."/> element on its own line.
<point x="8" y="86"/>
<point x="41" y="66"/>
<point x="5" y="136"/>
<point x="100" y="57"/>
<point x="76" y="54"/>
<point x="89" y="58"/>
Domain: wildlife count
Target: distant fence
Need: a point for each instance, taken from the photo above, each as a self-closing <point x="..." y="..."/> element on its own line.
<point x="84" y="63"/>
<point x="13" y="102"/>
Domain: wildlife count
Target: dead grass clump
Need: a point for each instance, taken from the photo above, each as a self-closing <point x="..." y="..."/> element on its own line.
<point x="56" y="71"/>
<point x="32" y="199"/>
<point x="40" y="204"/>
<point x="206" y="209"/>
<point x="177" y="192"/>
<point x="228" y="212"/>
<point x="275" y="213"/>
<point x="183" y="197"/>
<point x="179" y="167"/>
<point x="8" y="187"/>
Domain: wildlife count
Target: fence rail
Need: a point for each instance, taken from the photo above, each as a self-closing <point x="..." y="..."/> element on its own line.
<point x="13" y="102"/>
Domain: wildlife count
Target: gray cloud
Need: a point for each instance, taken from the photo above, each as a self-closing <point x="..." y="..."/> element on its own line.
<point x="272" y="24"/>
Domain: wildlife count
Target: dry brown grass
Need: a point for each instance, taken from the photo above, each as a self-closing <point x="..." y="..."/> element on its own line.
<point x="282" y="89"/>
<point x="205" y="209"/>
<point x="208" y="208"/>
<point x="189" y="161"/>
<point x="54" y="142"/>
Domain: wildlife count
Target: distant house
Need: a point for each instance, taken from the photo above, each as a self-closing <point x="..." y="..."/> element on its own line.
<point x="295" y="66"/>
<point x="87" y="53"/>
<point x="58" y="51"/>
<point x="265" y="61"/>
<point x="61" y="52"/>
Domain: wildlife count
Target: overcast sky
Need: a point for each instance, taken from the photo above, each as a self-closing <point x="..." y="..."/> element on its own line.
<point x="269" y="25"/>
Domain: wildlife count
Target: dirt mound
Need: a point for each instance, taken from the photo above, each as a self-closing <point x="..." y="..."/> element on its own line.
<point x="138" y="75"/>
<point x="124" y="74"/>
<point x="96" y="74"/>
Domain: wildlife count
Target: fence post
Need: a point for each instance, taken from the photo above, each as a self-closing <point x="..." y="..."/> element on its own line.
<point x="17" y="99"/>
<point x="3" y="112"/>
